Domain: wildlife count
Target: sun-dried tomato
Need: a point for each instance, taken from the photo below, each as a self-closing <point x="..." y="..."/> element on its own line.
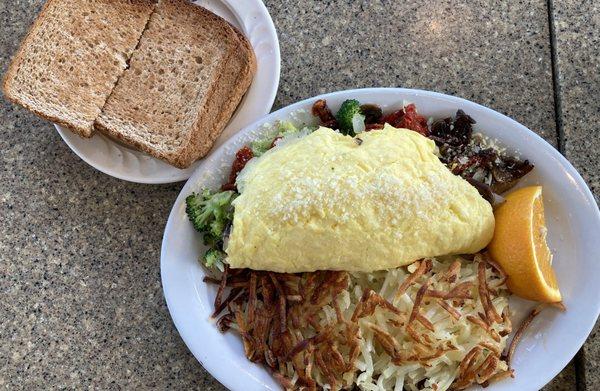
<point x="241" y="158"/>
<point x="322" y="111"/>
<point x="408" y="118"/>
<point x="393" y="118"/>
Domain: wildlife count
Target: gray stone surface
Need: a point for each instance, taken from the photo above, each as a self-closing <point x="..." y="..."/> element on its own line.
<point x="80" y="298"/>
<point x="494" y="54"/>
<point x="577" y="32"/>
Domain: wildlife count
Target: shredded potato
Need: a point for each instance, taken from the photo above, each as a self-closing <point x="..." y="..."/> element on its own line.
<point x="434" y="325"/>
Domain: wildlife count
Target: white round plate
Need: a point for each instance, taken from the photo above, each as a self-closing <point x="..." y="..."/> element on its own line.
<point x="572" y="217"/>
<point x="114" y="159"/>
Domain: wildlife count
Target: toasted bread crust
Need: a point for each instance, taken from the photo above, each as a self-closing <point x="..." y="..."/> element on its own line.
<point x="222" y="96"/>
<point x="243" y="83"/>
<point x="53" y="108"/>
<point x="14" y="67"/>
<point x="238" y="73"/>
<point x="240" y="69"/>
<point x="224" y="99"/>
<point x="200" y="142"/>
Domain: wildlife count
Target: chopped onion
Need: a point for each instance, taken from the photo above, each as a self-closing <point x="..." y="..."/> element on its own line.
<point x="358" y="123"/>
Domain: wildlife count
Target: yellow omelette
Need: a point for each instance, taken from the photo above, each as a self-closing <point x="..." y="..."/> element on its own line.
<point x="376" y="201"/>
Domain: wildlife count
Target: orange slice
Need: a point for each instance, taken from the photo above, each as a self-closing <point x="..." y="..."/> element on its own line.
<point x="519" y="246"/>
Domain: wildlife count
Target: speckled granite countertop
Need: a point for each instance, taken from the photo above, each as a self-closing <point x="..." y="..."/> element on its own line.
<point x="81" y="304"/>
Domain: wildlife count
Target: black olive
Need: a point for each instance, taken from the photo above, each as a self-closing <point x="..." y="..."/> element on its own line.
<point x="456" y="132"/>
<point x="372" y="113"/>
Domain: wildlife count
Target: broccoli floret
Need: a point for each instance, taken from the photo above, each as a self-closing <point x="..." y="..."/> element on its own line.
<point x="211" y="241"/>
<point x="214" y="258"/>
<point x="350" y="118"/>
<point x="210" y="212"/>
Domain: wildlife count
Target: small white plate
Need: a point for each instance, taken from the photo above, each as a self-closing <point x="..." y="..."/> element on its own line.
<point x="253" y="19"/>
<point x="573" y="223"/>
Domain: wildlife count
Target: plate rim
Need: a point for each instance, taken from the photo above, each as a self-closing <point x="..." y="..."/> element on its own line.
<point x="230" y="382"/>
<point x="268" y="95"/>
